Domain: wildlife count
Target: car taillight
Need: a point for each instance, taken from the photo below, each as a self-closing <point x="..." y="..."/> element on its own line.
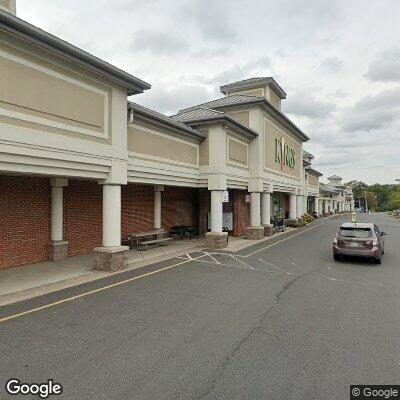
<point x="335" y="240"/>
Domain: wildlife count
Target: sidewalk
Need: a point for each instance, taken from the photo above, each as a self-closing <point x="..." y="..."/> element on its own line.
<point x="31" y="280"/>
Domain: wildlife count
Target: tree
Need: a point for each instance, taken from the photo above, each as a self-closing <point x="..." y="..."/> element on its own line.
<point x="359" y="188"/>
<point x="394" y="200"/>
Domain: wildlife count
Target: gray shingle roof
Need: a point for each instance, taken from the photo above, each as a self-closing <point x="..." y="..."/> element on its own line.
<point x="197" y="114"/>
<point x="233" y="99"/>
<point x="252" y="82"/>
<point x="328" y="188"/>
<point x="240" y="99"/>
<point x="204" y="114"/>
<point x="307" y="154"/>
<point x="155" y="115"/>
<point x="19" y="27"/>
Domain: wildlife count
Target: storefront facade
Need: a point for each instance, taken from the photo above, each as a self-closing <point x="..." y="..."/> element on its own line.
<point x="87" y="167"/>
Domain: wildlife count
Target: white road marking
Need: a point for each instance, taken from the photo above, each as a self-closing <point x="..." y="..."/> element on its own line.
<point x="241" y="262"/>
<point x="322" y="276"/>
<point x="212" y="258"/>
<point x="356" y="277"/>
<point x="274" y="266"/>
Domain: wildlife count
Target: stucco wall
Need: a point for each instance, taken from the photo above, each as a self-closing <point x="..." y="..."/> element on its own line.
<point x="161" y="144"/>
<point x="273" y="131"/>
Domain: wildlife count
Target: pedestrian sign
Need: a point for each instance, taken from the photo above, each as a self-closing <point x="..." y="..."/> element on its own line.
<point x="354" y="217"/>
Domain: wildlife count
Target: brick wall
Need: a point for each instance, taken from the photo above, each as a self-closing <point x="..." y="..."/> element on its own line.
<point x="204" y="208"/>
<point x="83" y="215"/>
<point x="25" y="213"/>
<point x="137" y="208"/>
<point x="241" y="213"/>
<point x="179" y="207"/>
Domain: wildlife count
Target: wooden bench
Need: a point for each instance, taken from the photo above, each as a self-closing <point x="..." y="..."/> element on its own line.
<point x="160" y="242"/>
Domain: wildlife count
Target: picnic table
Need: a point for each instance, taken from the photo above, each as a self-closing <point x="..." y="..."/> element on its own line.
<point x="184" y="230"/>
<point x="136" y="239"/>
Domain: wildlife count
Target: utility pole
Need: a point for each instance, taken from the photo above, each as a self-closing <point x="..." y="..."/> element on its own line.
<point x="366" y="202"/>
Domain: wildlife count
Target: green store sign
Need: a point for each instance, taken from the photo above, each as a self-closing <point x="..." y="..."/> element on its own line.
<point x="284" y="154"/>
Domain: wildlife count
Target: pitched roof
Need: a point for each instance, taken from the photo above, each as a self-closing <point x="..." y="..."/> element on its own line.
<point x="334" y="177"/>
<point x="240" y="99"/>
<point x="225" y="101"/>
<point x="161" y="118"/>
<point x="204" y="114"/>
<point x="314" y="171"/>
<point x="307" y="154"/>
<point x="328" y="188"/>
<point x="252" y="82"/>
<point x="21" y="28"/>
<point x="196" y="114"/>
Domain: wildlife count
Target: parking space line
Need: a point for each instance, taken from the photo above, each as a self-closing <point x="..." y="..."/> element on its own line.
<point x="274" y="266"/>
<point x="212" y="258"/>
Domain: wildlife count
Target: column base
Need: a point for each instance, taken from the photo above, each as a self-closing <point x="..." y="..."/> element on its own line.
<point x="110" y="259"/>
<point x="268" y="230"/>
<point x="216" y="240"/>
<point x="254" y="232"/>
<point x="58" y="250"/>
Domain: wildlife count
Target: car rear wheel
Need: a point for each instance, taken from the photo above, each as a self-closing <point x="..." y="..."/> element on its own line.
<point x="336" y="257"/>
<point x="378" y="260"/>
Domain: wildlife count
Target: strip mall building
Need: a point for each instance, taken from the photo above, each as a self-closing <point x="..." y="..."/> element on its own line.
<point x="80" y="166"/>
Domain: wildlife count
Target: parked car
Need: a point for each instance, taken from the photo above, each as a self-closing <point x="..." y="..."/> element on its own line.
<point x="359" y="239"/>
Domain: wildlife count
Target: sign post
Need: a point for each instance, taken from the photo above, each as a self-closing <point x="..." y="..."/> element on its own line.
<point x="354" y="217"/>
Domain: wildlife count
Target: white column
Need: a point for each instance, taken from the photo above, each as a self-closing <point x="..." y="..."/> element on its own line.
<point x="299" y="200"/>
<point x="57" y="208"/>
<point x="266" y="208"/>
<point x="255" y="212"/>
<point x="157" y="206"/>
<point x="216" y="211"/>
<point x="326" y="206"/>
<point x="111" y="215"/>
<point x="56" y="213"/>
<point x="292" y="207"/>
<point x="316" y="205"/>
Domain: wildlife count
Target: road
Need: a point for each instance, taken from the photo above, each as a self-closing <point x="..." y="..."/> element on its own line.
<point x="280" y="320"/>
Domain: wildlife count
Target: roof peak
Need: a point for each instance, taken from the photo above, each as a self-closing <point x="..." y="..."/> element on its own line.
<point x="254" y="82"/>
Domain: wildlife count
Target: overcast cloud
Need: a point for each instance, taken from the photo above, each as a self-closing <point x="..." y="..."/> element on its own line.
<point x="338" y="61"/>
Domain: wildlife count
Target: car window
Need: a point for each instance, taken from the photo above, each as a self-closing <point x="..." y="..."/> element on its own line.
<point x="359" y="233"/>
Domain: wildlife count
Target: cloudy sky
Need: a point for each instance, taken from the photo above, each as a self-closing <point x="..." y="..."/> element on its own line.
<point x="338" y="61"/>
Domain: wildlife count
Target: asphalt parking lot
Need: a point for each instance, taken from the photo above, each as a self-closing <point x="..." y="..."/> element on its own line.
<point x="279" y="320"/>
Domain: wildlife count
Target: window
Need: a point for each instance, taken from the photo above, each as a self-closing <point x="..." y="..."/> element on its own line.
<point x="357" y="233"/>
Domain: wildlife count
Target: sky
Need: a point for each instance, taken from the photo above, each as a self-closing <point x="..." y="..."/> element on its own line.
<point x="337" y="60"/>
